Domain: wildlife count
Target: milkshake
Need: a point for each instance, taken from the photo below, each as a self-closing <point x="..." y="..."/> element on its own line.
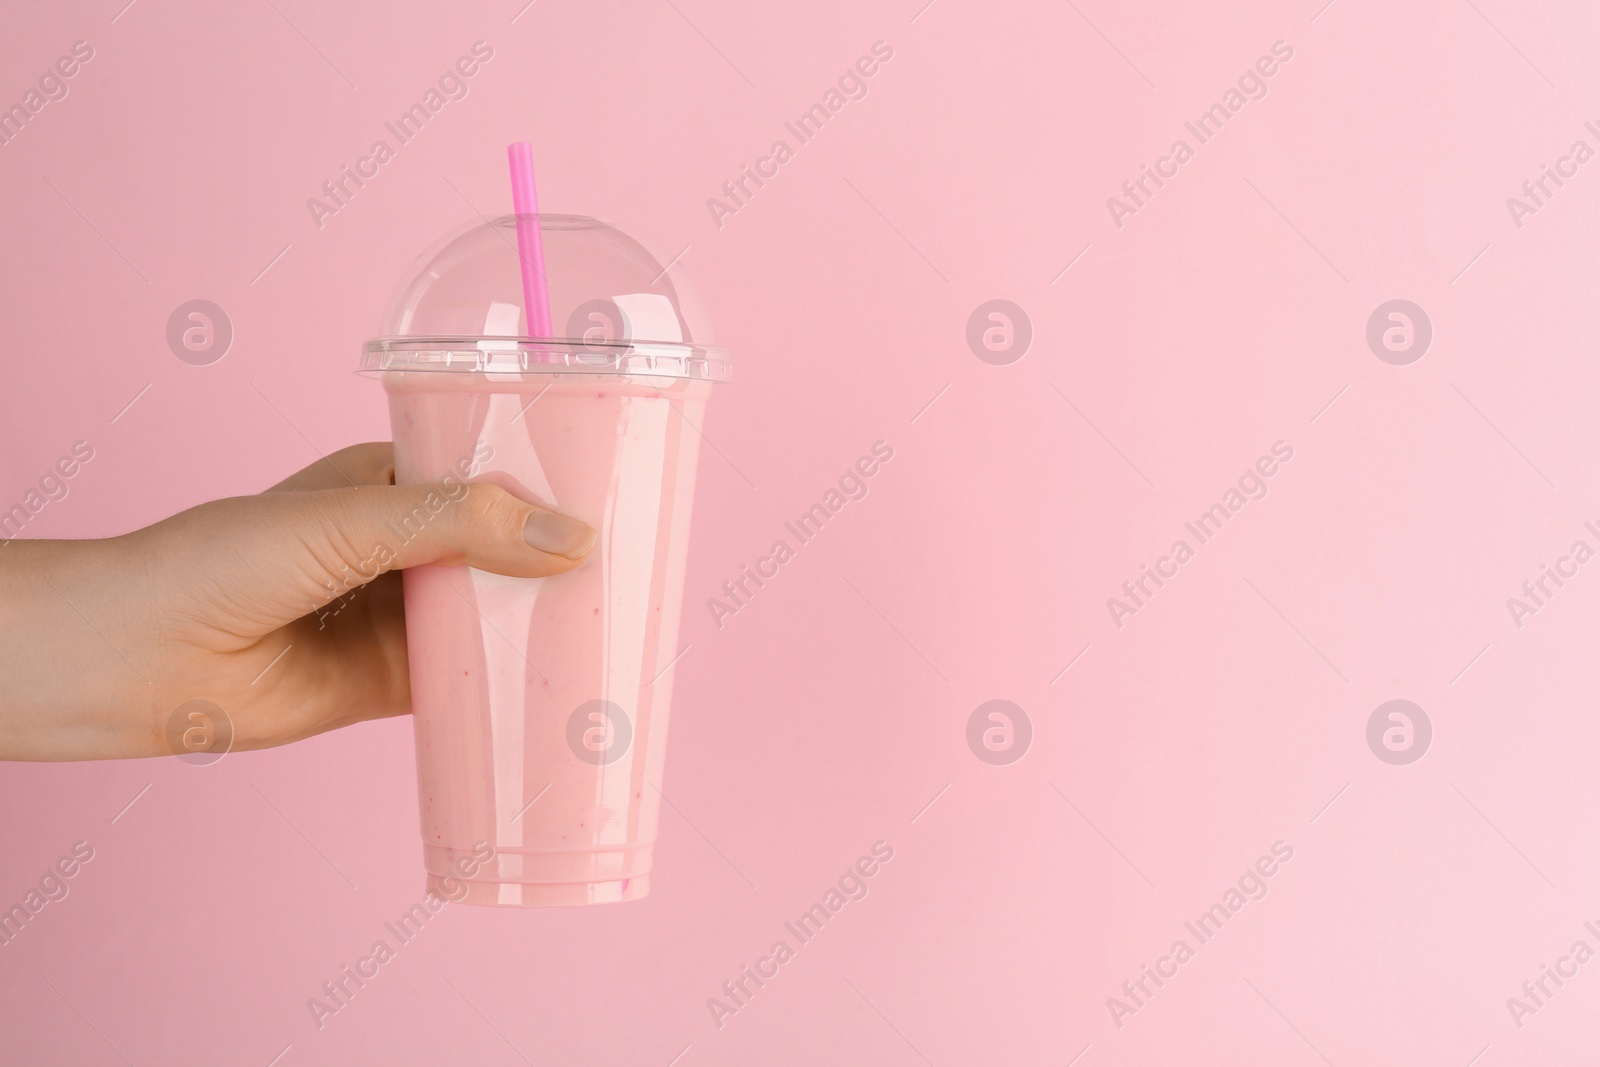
<point x="541" y="704"/>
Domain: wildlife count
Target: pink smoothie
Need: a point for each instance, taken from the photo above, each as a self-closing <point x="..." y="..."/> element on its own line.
<point x="541" y="704"/>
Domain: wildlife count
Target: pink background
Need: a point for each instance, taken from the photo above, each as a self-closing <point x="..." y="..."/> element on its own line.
<point x="1226" y="715"/>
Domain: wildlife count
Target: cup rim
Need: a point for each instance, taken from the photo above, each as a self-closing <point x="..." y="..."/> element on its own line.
<point x="478" y="354"/>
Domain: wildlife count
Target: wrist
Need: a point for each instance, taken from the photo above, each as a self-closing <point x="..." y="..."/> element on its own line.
<point x="76" y="679"/>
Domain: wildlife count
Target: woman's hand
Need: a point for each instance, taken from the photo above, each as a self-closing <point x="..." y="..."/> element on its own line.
<point x="283" y="609"/>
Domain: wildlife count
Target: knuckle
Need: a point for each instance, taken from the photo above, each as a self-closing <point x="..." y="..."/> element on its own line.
<point x="336" y="521"/>
<point x="486" y="506"/>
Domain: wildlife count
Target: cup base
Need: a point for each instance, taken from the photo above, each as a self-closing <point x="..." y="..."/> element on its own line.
<point x="538" y="894"/>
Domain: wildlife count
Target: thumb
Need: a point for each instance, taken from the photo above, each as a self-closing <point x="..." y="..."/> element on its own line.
<point x="277" y="556"/>
<point x="479" y="525"/>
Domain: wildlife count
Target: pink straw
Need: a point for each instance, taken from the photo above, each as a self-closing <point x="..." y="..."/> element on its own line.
<point x="530" y="246"/>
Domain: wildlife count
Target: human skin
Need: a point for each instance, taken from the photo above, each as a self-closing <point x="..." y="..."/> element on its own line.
<point x="102" y="640"/>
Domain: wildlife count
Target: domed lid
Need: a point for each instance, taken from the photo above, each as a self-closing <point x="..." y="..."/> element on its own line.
<point x="613" y="308"/>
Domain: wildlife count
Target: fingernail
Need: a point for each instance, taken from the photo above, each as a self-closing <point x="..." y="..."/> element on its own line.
<point x="558" y="534"/>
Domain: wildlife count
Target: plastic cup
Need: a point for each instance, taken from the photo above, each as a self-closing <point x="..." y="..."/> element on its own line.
<point x="541" y="705"/>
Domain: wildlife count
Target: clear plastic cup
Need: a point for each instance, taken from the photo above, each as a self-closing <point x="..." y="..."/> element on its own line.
<point x="541" y="705"/>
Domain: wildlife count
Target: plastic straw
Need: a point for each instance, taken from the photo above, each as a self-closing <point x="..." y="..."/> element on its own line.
<point x="530" y="244"/>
